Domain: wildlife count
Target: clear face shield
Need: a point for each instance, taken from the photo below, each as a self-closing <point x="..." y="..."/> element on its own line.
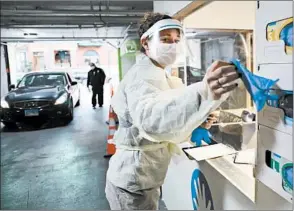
<point x="165" y="42"/>
<point x="166" y="46"/>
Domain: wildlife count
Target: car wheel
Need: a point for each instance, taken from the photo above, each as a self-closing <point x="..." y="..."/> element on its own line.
<point x="70" y="115"/>
<point x="10" y="125"/>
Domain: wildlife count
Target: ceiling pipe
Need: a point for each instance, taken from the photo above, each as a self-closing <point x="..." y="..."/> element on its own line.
<point x="79" y="25"/>
<point x="100" y="16"/>
<point x="70" y="18"/>
<point x="11" y="4"/>
<point x="60" y="38"/>
<point x="109" y="43"/>
<point x="43" y="2"/>
<point x="107" y="5"/>
<point x="126" y="30"/>
<point x="57" y="27"/>
<point x="72" y="12"/>
<point x="64" y="23"/>
<point x="124" y="39"/>
<point x="22" y="39"/>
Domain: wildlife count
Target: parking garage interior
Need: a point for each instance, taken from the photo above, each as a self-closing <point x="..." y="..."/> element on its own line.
<point x="57" y="166"/>
<point x="56" y="141"/>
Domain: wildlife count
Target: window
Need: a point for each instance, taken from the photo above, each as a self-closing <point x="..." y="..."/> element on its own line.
<point x="91" y="56"/>
<point x="91" y="53"/>
<point x="39" y="61"/>
<point x="214" y="46"/>
<point x="62" y="58"/>
<point x="37" y="80"/>
<point x="23" y="60"/>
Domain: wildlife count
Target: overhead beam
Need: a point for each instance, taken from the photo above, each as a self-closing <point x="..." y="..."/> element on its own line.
<point x="117" y="3"/>
<point x="61" y="27"/>
<point x="66" y="23"/>
<point x="60" y="24"/>
<point x="49" y="3"/>
<point x="126" y="30"/>
<point x="63" y="12"/>
<point x="53" y="22"/>
<point x="190" y="8"/>
<point x="18" y="39"/>
<point x="66" y="18"/>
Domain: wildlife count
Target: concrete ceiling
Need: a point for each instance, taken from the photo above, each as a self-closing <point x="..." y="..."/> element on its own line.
<point x="71" y="19"/>
<point x="72" y="13"/>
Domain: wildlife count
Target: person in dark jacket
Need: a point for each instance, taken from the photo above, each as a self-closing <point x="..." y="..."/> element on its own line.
<point x="96" y="78"/>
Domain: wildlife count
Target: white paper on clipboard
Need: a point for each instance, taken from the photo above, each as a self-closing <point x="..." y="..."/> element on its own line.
<point x="246" y="157"/>
<point x="210" y="151"/>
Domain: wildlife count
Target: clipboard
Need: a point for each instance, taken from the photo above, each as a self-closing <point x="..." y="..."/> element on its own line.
<point x="209" y="151"/>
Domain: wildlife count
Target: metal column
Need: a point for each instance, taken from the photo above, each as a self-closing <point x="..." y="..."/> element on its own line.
<point x="7" y="65"/>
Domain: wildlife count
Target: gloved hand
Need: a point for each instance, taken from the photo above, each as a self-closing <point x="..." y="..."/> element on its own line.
<point x="201" y="134"/>
<point x="219" y="78"/>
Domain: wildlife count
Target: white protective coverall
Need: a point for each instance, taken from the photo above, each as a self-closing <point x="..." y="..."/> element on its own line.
<point x="155" y="112"/>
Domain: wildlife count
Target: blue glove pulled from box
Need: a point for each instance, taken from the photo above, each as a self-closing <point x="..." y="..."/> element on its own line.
<point x="258" y="87"/>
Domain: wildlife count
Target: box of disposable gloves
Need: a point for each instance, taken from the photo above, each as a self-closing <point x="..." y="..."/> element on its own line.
<point x="236" y="131"/>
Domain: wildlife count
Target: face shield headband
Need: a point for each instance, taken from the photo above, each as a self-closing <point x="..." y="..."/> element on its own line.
<point x="162" y="25"/>
<point x="165" y="48"/>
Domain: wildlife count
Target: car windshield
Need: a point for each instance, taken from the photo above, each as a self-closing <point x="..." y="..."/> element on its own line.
<point x="42" y="80"/>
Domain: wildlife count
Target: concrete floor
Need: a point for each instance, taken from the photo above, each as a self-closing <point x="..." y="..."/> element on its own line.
<point x="57" y="168"/>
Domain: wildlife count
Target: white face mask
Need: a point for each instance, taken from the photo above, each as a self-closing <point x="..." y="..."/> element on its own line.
<point x="163" y="53"/>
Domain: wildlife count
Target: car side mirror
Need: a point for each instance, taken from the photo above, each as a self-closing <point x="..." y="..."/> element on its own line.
<point x="12" y="86"/>
<point x="74" y="83"/>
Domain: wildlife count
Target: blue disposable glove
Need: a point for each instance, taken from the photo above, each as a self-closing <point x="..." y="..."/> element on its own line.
<point x="287" y="35"/>
<point x="258" y="87"/>
<point x="201" y="134"/>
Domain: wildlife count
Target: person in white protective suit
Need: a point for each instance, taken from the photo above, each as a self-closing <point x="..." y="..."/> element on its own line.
<point x="155" y="112"/>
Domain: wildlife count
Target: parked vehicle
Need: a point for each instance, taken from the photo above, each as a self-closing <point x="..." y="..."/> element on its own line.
<point x="40" y="96"/>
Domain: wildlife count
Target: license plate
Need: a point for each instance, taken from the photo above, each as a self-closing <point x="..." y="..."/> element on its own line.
<point x="32" y="112"/>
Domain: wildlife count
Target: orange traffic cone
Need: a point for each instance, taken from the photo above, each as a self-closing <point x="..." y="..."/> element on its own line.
<point x="112" y="127"/>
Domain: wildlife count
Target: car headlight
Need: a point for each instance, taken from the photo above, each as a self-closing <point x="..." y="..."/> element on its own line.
<point x="4" y="103"/>
<point x="62" y="99"/>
